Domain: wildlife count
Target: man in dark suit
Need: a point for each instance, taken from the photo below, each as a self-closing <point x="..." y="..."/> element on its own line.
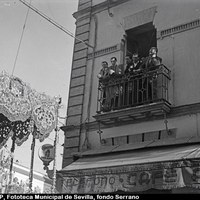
<point x="116" y="72"/>
<point x="137" y="77"/>
<point x="103" y="76"/>
<point x="128" y="65"/>
<point x="137" y="62"/>
<point x="104" y="72"/>
<point x="115" y="69"/>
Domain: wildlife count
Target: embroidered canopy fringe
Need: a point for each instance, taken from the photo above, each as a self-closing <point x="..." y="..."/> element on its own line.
<point x="24" y="110"/>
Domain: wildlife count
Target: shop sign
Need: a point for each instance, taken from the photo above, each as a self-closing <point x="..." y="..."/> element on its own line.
<point x="134" y="181"/>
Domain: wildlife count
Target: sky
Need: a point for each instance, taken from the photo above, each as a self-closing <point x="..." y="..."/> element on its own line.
<point x="44" y="58"/>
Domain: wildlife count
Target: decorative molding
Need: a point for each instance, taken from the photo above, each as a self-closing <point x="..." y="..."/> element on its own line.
<point x="177" y="29"/>
<point x="105" y="51"/>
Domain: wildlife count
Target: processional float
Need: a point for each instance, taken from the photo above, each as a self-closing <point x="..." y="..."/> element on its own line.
<point x="25" y="112"/>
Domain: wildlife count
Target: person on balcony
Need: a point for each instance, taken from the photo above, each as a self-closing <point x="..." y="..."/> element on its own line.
<point x="128" y="65"/>
<point x="137" y="77"/>
<point x="103" y="76"/>
<point x="130" y="71"/>
<point x="137" y="62"/>
<point x="153" y="61"/>
<point x="150" y="67"/>
<point x="104" y="72"/>
<point x="116" y="72"/>
<point x="126" y="98"/>
<point x="115" y="69"/>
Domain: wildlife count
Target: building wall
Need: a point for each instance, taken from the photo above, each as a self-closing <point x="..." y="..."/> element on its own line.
<point x="177" y="50"/>
<point x="103" y="28"/>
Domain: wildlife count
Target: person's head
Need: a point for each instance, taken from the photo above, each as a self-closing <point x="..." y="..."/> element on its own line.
<point x="128" y="59"/>
<point x="135" y="57"/>
<point x="153" y="51"/>
<point x="104" y="64"/>
<point x="113" y="61"/>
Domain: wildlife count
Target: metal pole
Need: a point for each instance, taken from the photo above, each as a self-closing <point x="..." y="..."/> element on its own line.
<point x="11" y="163"/>
<point x="54" y="163"/>
<point x="32" y="161"/>
<point x="55" y="150"/>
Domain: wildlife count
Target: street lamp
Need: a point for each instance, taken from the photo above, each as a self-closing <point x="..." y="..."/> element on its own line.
<point x="48" y="152"/>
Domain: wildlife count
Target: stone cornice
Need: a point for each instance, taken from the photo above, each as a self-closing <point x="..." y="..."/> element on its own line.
<point x="79" y="15"/>
<point x="99" y="7"/>
<point x="174" y="112"/>
<point x="83" y="17"/>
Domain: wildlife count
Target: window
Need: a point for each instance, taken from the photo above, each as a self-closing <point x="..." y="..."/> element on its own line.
<point x="140" y="39"/>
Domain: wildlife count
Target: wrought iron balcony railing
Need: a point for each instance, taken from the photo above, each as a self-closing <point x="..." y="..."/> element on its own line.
<point x="119" y="92"/>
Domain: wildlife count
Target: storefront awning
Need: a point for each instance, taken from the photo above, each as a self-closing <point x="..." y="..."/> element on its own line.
<point x="138" y="170"/>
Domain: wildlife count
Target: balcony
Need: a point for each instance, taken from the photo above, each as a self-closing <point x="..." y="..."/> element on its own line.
<point x="128" y="97"/>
